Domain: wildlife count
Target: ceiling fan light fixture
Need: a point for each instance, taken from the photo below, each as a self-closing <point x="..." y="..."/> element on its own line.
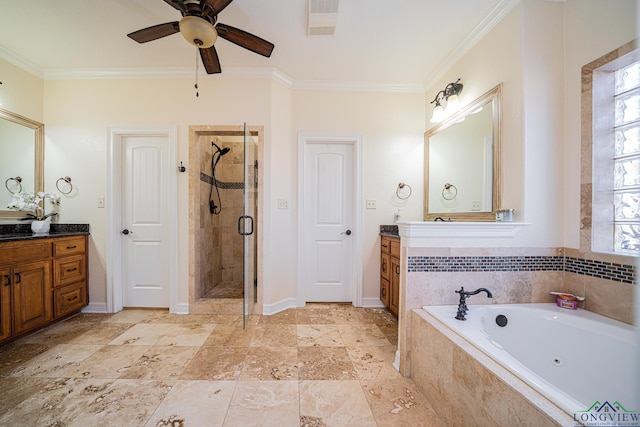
<point x="197" y="31"/>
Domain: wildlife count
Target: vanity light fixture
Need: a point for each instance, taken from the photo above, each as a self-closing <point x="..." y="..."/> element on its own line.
<point x="448" y="95"/>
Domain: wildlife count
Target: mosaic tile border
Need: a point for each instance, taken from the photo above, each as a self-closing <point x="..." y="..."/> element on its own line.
<point x="220" y="184"/>
<point x="603" y="270"/>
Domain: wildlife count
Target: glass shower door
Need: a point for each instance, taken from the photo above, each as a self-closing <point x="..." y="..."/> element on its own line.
<point x="247" y="226"/>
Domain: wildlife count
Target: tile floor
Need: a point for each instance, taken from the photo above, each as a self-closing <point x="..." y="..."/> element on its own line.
<point x="322" y="365"/>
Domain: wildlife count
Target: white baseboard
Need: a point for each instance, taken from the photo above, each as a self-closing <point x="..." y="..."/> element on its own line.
<point x="270" y="309"/>
<point x="95" y="307"/>
<point x="372" y="303"/>
<point x="181" y="308"/>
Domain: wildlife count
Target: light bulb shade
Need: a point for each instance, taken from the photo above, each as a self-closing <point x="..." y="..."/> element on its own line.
<point x="438" y="114"/>
<point x="453" y="104"/>
<point x="198" y="31"/>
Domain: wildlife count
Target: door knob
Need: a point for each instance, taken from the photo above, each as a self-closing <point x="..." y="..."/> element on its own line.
<point x="125" y="231"/>
<point x="348" y="232"/>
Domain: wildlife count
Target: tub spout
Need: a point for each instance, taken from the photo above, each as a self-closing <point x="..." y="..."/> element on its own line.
<point x="462" y="304"/>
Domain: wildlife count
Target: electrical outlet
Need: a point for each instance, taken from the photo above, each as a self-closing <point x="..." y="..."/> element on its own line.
<point x="371" y="204"/>
<point x="101" y="202"/>
<point x="283" y="204"/>
<point x="475" y="205"/>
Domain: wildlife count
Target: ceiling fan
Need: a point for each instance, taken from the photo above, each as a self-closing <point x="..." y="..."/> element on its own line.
<point x="199" y="27"/>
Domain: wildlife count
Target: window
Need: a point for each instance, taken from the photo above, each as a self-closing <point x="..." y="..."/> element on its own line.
<point x="616" y="156"/>
<point x="626" y="188"/>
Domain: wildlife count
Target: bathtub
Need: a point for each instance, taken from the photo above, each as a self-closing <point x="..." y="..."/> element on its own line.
<point x="574" y="358"/>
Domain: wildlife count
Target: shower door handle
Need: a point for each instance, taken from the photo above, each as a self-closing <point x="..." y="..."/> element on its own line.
<point x="240" y="228"/>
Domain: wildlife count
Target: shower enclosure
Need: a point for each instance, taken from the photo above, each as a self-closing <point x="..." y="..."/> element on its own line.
<point x="224" y="220"/>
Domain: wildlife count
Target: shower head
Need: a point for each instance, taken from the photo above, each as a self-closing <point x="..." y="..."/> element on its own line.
<point x="220" y="151"/>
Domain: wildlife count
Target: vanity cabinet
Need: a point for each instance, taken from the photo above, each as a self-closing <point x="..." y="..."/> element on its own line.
<point x="70" y="275"/>
<point x="390" y="272"/>
<point x="41" y="280"/>
<point x="5" y="303"/>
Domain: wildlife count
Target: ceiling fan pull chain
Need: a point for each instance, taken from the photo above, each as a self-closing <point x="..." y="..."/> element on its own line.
<point x="196" y="85"/>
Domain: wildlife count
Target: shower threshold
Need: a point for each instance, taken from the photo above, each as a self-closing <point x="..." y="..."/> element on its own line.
<point x="226" y="290"/>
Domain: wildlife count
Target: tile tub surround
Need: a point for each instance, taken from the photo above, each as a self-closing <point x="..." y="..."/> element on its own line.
<point x="513" y="275"/>
<point x="322" y="365"/>
<point x="465" y="387"/>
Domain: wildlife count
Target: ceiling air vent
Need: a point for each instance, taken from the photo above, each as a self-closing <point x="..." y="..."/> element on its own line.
<point x="322" y="17"/>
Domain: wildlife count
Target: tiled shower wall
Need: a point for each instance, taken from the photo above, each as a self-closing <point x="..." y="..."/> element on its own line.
<point x="515" y="275"/>
<point x="218" y="244"/>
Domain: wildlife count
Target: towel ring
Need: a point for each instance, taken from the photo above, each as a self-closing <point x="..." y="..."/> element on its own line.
<point x="447" y="188"/>
<point x="400" y="187"/>
<point x="18" y="181"/>
<point x="68" y="181"/>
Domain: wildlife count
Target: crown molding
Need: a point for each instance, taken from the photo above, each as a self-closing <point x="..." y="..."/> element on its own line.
<point x="15" y="59"/>
<point x="346" y="86"/>
<point x="486" y="25"/>
<point x="498" y="12"/>
<point x="228" y="73"/>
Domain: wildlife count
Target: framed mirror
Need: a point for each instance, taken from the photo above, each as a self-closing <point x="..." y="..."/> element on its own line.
<point x="463" y="156"/>
<point x="21" y="159"/>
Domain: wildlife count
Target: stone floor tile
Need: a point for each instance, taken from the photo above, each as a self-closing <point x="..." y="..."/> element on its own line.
<point x="399" y="403"/>
<point x="335" y="403"/>
<point x="270" y="363"/>
<point x="264" y="404"/>
<point x="216" y="363"/>
<point x="319" y="336"/>
<point x="194" y="403"/>
<point x="325" y="363"/>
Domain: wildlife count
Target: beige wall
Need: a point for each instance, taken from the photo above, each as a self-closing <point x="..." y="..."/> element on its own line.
<point x="392" y="126"/>
<point x="78" y="113"/>
<point x="21" y="92"/>
<point x="536" y="51"/>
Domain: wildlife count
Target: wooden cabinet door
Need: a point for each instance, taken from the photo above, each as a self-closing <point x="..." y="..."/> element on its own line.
<point x="5" y="303"/>
<point x="394" y="288"/>
<point x="384" y="291"/>
<point x="32" y="295"/>
<point x="385" y="265"/>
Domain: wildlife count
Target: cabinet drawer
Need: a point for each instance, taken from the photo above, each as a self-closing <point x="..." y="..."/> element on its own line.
<point x="385" y="245"/>
<point x="31" y="250"/>
<point x="69" y="246"/>
<point x="69" y="298"/>
<point x="395" y="247"/>
<point x="68" y="270"/>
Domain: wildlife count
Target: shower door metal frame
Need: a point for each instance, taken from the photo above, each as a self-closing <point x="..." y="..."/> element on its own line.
<point x="247" y="226"/>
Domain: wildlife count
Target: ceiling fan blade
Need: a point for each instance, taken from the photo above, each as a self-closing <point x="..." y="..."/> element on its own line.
<point x="216" y="5"/>
<point x="210" y="60"/>
<point x="245" y="40"/>
<point x="176" y="4"/>
<point x="155" y="32"/>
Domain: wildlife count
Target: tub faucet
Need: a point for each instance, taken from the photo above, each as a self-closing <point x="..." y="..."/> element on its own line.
<point x="462" y="305"/>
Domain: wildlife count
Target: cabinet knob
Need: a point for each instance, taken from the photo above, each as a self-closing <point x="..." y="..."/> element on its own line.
<point x="125" y="232"/>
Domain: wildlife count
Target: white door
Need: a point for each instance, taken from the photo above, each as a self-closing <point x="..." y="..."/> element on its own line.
<point x="328" y="218"/>
<point x="145" y="220"/>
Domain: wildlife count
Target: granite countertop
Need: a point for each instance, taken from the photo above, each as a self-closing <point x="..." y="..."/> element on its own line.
<point x="15" y="232"/>
<point x="389" y="231"/>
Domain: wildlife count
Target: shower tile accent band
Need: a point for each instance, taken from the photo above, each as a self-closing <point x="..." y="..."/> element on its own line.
<point x="604" y="270"/>
<point x="220" y="184"/>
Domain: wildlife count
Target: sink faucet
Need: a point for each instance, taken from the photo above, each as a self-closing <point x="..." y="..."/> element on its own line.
<point x="462" y="305"/>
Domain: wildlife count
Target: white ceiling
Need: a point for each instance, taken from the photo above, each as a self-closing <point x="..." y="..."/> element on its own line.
<point x="403" y="42"/>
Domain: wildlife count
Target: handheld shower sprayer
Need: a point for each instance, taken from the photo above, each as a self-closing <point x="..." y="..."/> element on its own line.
<point x="215" y="158"/>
